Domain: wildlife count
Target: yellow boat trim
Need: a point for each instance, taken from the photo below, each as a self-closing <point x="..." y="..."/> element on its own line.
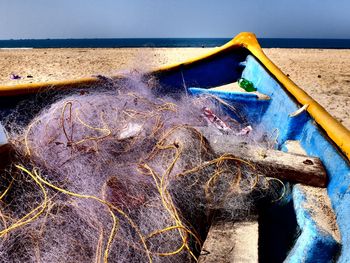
<point x="21" y="89"/>
<point x="334" y="129"/>
<point x="30" y="88"/>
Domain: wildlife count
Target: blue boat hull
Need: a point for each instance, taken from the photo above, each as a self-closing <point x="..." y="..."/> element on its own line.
<point x="276" y="114"/>
<point x="288" y="232"/>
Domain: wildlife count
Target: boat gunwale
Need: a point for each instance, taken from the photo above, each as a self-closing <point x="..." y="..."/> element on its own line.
<point x="333" y="128"/>
<point x="337" y="132"/>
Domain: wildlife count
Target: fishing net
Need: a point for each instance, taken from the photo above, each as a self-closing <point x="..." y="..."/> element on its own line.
<point x="120" y="174"/>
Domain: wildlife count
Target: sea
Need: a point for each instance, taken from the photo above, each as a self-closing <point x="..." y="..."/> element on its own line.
<point x="169" y="42"/>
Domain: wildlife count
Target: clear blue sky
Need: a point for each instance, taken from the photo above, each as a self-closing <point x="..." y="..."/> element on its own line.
<point x="173" y="18"/>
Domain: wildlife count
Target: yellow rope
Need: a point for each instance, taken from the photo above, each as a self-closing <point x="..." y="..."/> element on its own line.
<point x="26" y="134"/>
<point x="105" y="129"/>
<point x="160" y="181"/>
<point x="224" y="157"/>
<point x="41" y="207"/>
<point x="111" y="236"/>
<point x="165" y="196"/>
<point x="284" y="188"/>
<point x="170" y="207"/>
<point x="7" y="189"/>
<point x="40" y="180"/>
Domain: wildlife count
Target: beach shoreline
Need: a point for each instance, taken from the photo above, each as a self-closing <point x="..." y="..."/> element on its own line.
<point x="323" y="73"/>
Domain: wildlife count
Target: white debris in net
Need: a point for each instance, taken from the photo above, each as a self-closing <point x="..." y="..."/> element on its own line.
<point x="213" y="120"/>
<point x="246" y="130"/>
<point x="131" y="131"/>
<point x="3" y="137"/>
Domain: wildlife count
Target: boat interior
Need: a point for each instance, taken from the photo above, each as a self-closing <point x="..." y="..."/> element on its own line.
<point x="289" y="230"/>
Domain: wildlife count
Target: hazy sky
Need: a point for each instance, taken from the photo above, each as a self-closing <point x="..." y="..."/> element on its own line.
<point x="173" y="18"/>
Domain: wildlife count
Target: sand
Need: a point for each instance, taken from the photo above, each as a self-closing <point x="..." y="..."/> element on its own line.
<point x="322" y="73"/>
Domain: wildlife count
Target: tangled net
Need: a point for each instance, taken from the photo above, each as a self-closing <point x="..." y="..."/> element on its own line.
<point x="118" y="175"/>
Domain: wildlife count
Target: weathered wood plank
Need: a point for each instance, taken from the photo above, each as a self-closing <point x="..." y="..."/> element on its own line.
<point x="231" y="242"/>
<point x="288" y="166"/>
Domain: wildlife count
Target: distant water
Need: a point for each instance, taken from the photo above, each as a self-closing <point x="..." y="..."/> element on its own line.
<point x="169" y="42"/>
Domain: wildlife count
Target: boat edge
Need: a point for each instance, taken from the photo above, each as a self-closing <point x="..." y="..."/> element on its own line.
<point x="334" y="129"/>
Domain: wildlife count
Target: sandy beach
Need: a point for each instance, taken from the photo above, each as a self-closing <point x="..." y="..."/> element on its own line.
<point x="322" y="73"/>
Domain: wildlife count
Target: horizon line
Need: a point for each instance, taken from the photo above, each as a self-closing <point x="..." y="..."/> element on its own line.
<point x="105" y="38"/>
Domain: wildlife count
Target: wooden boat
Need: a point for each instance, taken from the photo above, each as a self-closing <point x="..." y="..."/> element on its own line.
<point x="290" y="112"/>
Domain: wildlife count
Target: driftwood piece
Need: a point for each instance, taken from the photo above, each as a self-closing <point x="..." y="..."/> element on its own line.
<point x="272" y="163"/>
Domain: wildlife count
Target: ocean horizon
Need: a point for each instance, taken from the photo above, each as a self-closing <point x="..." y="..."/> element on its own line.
<point x="169" y="42"/>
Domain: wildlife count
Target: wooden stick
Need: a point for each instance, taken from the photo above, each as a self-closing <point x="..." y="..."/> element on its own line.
<point x="272" y="163"/>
